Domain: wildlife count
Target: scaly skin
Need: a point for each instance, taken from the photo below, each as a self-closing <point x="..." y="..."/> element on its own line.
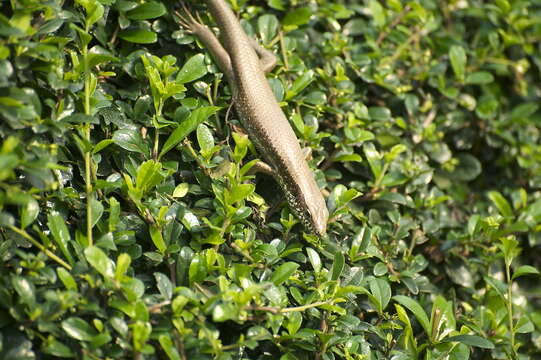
<point x="260" y="113"/>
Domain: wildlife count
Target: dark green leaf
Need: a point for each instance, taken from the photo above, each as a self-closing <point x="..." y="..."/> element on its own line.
<point x="139" y="36"/>
<point x="149" y="10"/>
<point x="471" y="340"/>
<point x="187" y="126"/>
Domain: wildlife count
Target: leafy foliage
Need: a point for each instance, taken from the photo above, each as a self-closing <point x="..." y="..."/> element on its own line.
<point x="132" y="227"/>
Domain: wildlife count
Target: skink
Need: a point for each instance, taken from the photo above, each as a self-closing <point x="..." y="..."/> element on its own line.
<point x="244" y="63"/>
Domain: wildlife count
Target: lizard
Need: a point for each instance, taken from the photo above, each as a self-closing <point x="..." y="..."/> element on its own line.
<point x="245" y="63"/>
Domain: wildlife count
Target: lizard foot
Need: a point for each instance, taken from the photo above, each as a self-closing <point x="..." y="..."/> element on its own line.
<point x="187" y="20"/>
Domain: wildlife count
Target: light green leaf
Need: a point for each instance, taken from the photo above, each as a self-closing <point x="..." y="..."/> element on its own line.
<point x="501" y="203"/>
<point x="458" y="60"/>
<point x="97" y="211"/>
<point x="205" y="140"/>
<point x="314" y="258"/>
<point x="417" y="310"/>
<point x="268" y="26"/>
<point x="29" y="212"/>
<point x="79" y="329"/>
<point x="24" y="288"/>
<point x="66" y="278"/>
<point x="300" y="83"/>
<point x="99" y="261"/>
<point x="168" y="346"/>
<point x="57" y="226"/>
<point x="283" y="272"/>
<point x="337" y="266"/>
<point x="193" y="69"/>
<point x="525" y="270"/>
<point x="157" y="238"/>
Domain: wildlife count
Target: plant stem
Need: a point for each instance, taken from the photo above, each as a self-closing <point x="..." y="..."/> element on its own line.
<point x="46" y="251"/>
<point x="87" y="155"/>
<point x="510" y="306"/>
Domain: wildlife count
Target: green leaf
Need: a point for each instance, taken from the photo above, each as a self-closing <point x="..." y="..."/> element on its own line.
<point x="157" y="238"/>
<point x="337" y="266"/>
<point x="139" y="36"/>
<point x="131" y="140"/>
<point x="381" y="290"/>
<point x="524" y="326"/>
<point x="471" y="340"/>
<point x="315" y="260"/>
<point x="277" y="4"/>
<point x="283" y="272"/>
<point x="148" y="175"/>
<point x="24" y="288"/>
<point x="458" y="61"/>
<point x="165" y="287"/>
<point x="378" y="12"/>
<point x="374" y="159"/>
<point x="379" y="113"/>
<point x="61" y="235"/>
<point x="168" y="346"/>
<point x="417" y="310"/>
<point x="503" y="206"/>
<point x="122" y="265"/>
<point x="66" y="278"/>
<point x="29" y="212"/>
<point x="521" y="113"/>
<point x="497" y="285"/>
<point x="205" y="140"/>
<point x="97" y="211"/>
<point x="102" y="145"/>
<point x="525" y="270"/>
<point x="479" y="78"/>
<point x="298" y="17"/>
<point x="469" y="168"/>
<point x="78" y="329"/>
<point x="187" y="126"/>
<point x="193" y="69"/>
<point x="94" y="12"/>
<point x="240" y="192"/>
<point x="360" y="242"/>
<point x="300" y="83"/>
<point x="181" y="190"/>
<point x="99" y="261"/>
<point x="81" y="119"/>
<point x="294" y="322"/>
<point x="149" y="10"/>
<point x="268" y="26"/>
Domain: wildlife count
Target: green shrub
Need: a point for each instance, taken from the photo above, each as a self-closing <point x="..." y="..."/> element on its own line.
<point x="131" y="228"/>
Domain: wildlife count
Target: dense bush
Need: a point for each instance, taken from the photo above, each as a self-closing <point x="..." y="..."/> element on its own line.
<point x="131" y="229"/>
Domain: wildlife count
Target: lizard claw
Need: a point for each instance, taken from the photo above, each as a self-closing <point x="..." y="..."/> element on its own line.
<point x="187" y="20"/>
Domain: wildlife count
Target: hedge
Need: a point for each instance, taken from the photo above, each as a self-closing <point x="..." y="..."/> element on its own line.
<point x="131" y="228"/>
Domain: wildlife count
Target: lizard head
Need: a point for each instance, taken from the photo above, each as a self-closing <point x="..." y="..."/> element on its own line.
<point x="316" y="222"/>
